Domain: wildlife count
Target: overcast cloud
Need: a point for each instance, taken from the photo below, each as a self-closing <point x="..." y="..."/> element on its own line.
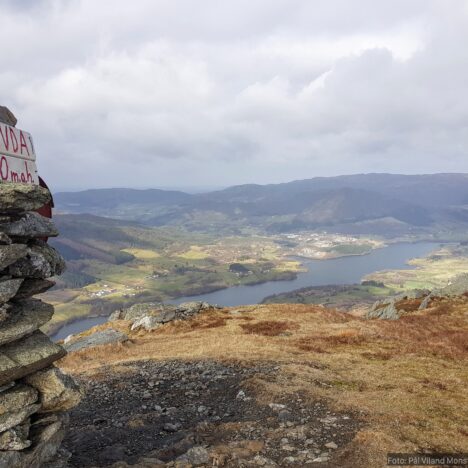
<point x="151" y="93"/>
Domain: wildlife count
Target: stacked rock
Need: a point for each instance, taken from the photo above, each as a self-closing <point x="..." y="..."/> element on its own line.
<point x="34" y="395"/>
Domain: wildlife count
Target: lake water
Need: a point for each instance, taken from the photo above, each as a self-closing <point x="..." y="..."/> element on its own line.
<point x="344" y="270"/>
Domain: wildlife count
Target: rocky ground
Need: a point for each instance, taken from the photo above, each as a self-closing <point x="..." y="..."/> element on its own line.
<point x="183" y="413"/>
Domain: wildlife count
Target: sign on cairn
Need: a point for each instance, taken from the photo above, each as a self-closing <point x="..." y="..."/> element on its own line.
<point x="34" y="394"/>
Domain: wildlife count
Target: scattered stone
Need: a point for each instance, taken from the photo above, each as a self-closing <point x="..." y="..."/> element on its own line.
<point x="98" y="338"/>
<point x="196" y="456"/>
<point x="57" y="391"/>
<point x="331" y="445"/>
<point x="30" y="225"/>
<point x="42" y="261"/>
<point x="386" y="311"/>
<point x="276" y="406"/>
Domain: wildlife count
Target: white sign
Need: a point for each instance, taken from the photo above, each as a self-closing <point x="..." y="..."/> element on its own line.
<point x="17" y="156"/>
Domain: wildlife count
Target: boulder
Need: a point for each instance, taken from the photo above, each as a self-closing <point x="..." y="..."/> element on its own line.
<point x="195" y="456"/>
<point x="148" y="323"/>
<point x="22" y="197"/>
<point x="11" y="253"/>
<point x="98" y="338"/>
<point x="33" y="286"/>
<point x="30" y="225"/>
<point x="27" y="355"/>
<point x="138" y="311"/>
<point x="46" y="440"/>
<point x="386" y="311"/>
<point x="9" y="288"/>
<point x="24" y="318"/>
<point x="57" y="391"/>
<point x="16" y="438"/>
<point x="42" y="261"/>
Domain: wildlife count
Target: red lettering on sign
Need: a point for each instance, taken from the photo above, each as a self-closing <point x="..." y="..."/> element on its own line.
<point x="4" y="168"/>
<point x="5" y="138"/>
<point x="29" y="177"/>
<point x="23" y="143"/>
<point x="14" y="141"/>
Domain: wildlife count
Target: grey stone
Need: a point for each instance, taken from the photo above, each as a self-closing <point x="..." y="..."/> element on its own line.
<point x="27" y="355"/>
<point x="384" y="311"/>
<point x="30" y="225"/>
<point x="7" y="117"/>
<point x="148" y="323"/>
<point x="16" y="438"/>
<point x="11" y="253"/>
<point x="331" y="445"/>
<point x="9" y="288"/>
<point x="25" y="317"/>
<point x="57" y="391"/>
<point x="16" y="398"/>
<point x="42" y="261"/>
<point x="5" y="311"/>
<point x="14" y="418"/>
<point x="116" y="315"/>
<point x="45" y="444"/>
<point x="32" y="286"/>
<point x="4" y="239"/>
<point x="196" y="456"/>
<point x="425" y="302"/>
<point x="98" y="338"/>
<point x="22" y="197"/>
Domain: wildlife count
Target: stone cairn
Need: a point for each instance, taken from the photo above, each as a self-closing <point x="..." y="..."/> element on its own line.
<point x="34" y="394"/>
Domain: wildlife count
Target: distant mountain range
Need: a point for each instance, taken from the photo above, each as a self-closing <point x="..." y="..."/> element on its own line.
<point x="386" y="204"/>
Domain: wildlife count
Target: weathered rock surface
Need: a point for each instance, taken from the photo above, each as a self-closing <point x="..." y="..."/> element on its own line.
<point x="46" y="440"/>
<point x="14" y="418"/>
<point x="148" y="323"/>
<point x="98" y="338"/>
<point x="27" y="355"/>
<point x="11" y="253"/>
<point x="30" y="225"/>
<point x="57" y="391"/>
<point x="16" y="398"/>
<point x="31" y="287"/>
<point x="22" y="197"/>
<point x="42" y="261"/>
<point x="24" y="318"/>
<point x="16" y="438"/>
<point x="9" y="288"/>
<point x="4" y="239"/>
<point x="385" y="311"/>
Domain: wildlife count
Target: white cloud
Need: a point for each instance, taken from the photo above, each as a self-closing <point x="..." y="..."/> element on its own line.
<point x="166" y="93"/>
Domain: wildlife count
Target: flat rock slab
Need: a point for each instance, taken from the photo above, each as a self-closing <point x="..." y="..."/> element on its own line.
<point x="24" y="318"/>
<point x="22" y="197"/>
<point x="27" y="355"/>
<point x="14" y="418"/>
<point x="42" y="261"/>
<point x="30" y="225"/>
<point x="11" y="253"/>
<point x="32" y="286"/>
<point x="17" y="397"/>
<point x="98" y="338"/>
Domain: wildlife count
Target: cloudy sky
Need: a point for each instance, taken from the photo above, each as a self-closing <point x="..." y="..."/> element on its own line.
<point x="186" y="93"/>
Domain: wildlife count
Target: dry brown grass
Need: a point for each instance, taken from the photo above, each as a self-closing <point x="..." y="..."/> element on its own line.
<point x="407" y="377"/>
<point x="267" y="327"/>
